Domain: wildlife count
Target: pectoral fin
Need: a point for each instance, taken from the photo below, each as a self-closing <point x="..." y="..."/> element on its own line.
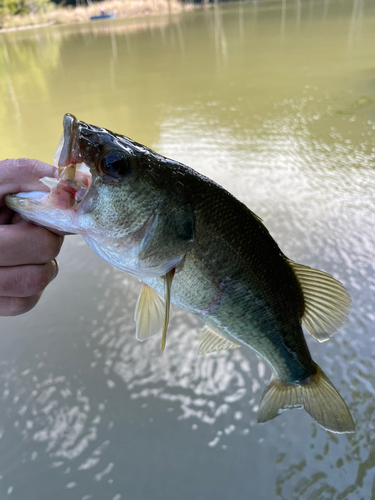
<point x="149" y="313"/>
<point x="167" y="299"/>
<point x="212" y="341"/>
<point x="327" y="302"/>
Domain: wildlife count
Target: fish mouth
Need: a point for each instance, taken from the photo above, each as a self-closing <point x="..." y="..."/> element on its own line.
<point x="68" y="151"/>
<point x="73" y="177"/>
<point x="70" y="133"/>
<point x="27" y="201"/>
<point x="77" y="160"/>
<point x="71" y="182"/>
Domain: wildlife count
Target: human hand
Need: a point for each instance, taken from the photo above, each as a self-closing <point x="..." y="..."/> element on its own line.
<point x="27" y="251"/>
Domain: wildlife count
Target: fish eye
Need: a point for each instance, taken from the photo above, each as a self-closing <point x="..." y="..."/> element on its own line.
<point x="114" y="165"/>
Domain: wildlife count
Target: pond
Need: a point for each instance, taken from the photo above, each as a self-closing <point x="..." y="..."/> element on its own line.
<point x="274" y="100"/>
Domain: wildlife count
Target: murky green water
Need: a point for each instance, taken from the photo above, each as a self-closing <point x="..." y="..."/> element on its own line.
<point x="275" y="100"/>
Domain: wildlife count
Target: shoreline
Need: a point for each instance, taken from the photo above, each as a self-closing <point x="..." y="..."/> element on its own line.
<point x="27" y="27"/>
<point x="123" y="9"/>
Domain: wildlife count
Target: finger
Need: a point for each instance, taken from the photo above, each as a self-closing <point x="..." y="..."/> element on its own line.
<point x="24" y="243"/>
<point x="6" y="215"/>
<point x="23" y="175"/>
<point x="26" y="281"/>
<point x="12" y="306"/>
<point x="16" y="218"/>
<point x="61" y="233"/>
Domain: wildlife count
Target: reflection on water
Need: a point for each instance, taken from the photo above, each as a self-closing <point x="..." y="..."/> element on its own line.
<point x="356" y="21"/>
<point x="275" y="101"/>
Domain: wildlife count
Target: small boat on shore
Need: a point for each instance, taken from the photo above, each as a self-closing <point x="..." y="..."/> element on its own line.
<point x="103" y="15"/>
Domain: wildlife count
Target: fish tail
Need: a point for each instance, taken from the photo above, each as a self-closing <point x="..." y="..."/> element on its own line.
<point x="316" y="395"/>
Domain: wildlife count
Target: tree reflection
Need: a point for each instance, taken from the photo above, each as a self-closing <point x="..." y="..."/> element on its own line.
<point x="356" y="21"/>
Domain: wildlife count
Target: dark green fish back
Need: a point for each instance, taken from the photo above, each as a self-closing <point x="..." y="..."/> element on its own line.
<point x="241" y="258"/>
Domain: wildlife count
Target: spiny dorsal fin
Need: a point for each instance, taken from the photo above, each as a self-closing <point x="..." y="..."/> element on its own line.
<point x="211" y="341"/>
<point x="327" y="302"/>
<point x="168" y="278"/>
<point x="149" y="313"/>
<point x="316" y="395"/>
<point x="257" y="217"/>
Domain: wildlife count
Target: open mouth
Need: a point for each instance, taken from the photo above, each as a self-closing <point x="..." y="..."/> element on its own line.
<point x="73" y="176"/>
<point x="71" y="182"/>
<point x="64" y="153"/>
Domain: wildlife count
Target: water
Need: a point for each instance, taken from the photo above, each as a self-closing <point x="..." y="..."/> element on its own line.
<point x="275" y="100"/>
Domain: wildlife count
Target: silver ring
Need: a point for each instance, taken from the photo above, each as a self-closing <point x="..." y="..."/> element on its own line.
<point x="57" y="267"/>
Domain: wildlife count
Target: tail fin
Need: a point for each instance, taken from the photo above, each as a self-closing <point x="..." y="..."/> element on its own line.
<point x="316" y="395"/>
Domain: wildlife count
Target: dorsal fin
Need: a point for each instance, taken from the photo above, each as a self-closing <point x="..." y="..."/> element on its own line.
<point x="149" y="313"/>
<point x="327" y="302"/>
<point x="167" y="299"/>
<point x="211" y="341"/>
<point x="257" y="217"/>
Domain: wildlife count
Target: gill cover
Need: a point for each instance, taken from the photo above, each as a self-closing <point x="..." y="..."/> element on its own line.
<point x="169" y="237"/>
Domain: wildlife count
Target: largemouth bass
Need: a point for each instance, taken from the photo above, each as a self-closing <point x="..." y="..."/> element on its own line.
<point x="194" y="244"/>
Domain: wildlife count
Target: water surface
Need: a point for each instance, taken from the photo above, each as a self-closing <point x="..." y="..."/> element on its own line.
<point x="275" y="100"/>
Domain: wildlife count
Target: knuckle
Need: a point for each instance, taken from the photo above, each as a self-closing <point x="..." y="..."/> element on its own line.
<point x="25" y="281"/>
<point x="37" y="280"/>
<point x="58" y="239"/>
<point x="19" y="164"/>
<point x="49" y="245"/>
<point x="23" y="163"/>
<point x="18" y="305"/>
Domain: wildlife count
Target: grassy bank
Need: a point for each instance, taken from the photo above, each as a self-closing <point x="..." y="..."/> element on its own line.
<point x="64" y="15"/>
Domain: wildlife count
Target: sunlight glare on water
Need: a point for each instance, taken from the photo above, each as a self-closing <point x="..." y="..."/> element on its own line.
<point x="274" y="101"/>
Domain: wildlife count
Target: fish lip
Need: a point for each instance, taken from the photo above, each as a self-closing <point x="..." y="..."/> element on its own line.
<point x="26" y="200"/>
<point x="70" y="154"/>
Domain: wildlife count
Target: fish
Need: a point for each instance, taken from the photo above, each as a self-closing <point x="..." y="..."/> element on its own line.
<point x="193" y="244"/>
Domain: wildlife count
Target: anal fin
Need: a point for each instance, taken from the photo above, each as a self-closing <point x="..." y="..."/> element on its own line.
<point x="212" y="341"/>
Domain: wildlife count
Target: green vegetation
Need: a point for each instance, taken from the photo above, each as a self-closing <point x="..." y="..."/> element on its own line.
<point x="16" y="7"/>
<point x="20" y="13"/>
